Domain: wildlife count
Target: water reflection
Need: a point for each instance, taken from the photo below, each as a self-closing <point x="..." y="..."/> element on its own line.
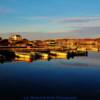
<point x="6" y="56"/>
<point x="56" y="77"/>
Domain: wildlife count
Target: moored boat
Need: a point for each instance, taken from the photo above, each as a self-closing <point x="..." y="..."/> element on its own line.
<point x="23" y="55"/>
<point x="58" y="54"/>
<point x="42" y="55"/>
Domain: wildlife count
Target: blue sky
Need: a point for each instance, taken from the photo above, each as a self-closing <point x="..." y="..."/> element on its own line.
<point x="49" y="18"/>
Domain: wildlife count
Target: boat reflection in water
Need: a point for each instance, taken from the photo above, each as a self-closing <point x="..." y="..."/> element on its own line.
<point x="9" y="56"/>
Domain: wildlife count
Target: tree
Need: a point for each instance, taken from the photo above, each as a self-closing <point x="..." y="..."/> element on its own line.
<point x="4" y="42"/>
<point x="0" y="38"/>
<point x="25" y="41"/>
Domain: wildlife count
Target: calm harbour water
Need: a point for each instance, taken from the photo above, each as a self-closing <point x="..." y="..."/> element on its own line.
<point x="78" y="77"/>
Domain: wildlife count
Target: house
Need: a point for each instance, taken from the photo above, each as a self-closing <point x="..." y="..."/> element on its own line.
<point x="87" y="42"/>
<point x="15" y="37"/>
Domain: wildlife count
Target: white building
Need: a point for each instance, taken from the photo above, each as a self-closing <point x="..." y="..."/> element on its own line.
<point x="15" y="37"/>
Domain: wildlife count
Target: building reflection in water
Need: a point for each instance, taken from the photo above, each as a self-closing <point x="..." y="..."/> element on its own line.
<point x="9" y="56"/>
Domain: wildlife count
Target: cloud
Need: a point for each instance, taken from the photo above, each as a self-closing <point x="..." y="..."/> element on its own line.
<point x="74" y="27"/>
<point x="68" y="21"/>
<point x="87" y="30"/>
<point x="36" y="18"/>
<point x="76" y="19"/>
<point x="83" y="32"/>
<point x="76" y="22"/>
<point x="4" y="11"/>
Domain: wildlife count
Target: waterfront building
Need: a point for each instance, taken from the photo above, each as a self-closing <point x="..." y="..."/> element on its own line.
<point x="71" y="43"/>
<point x="87" y="42"/>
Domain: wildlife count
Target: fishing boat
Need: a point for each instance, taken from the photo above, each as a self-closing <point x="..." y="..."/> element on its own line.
<point x="23" y="55"/>
<point x="21" y="59"/>
<point x="42" y="55"/>
<point x="58" y="54"/>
